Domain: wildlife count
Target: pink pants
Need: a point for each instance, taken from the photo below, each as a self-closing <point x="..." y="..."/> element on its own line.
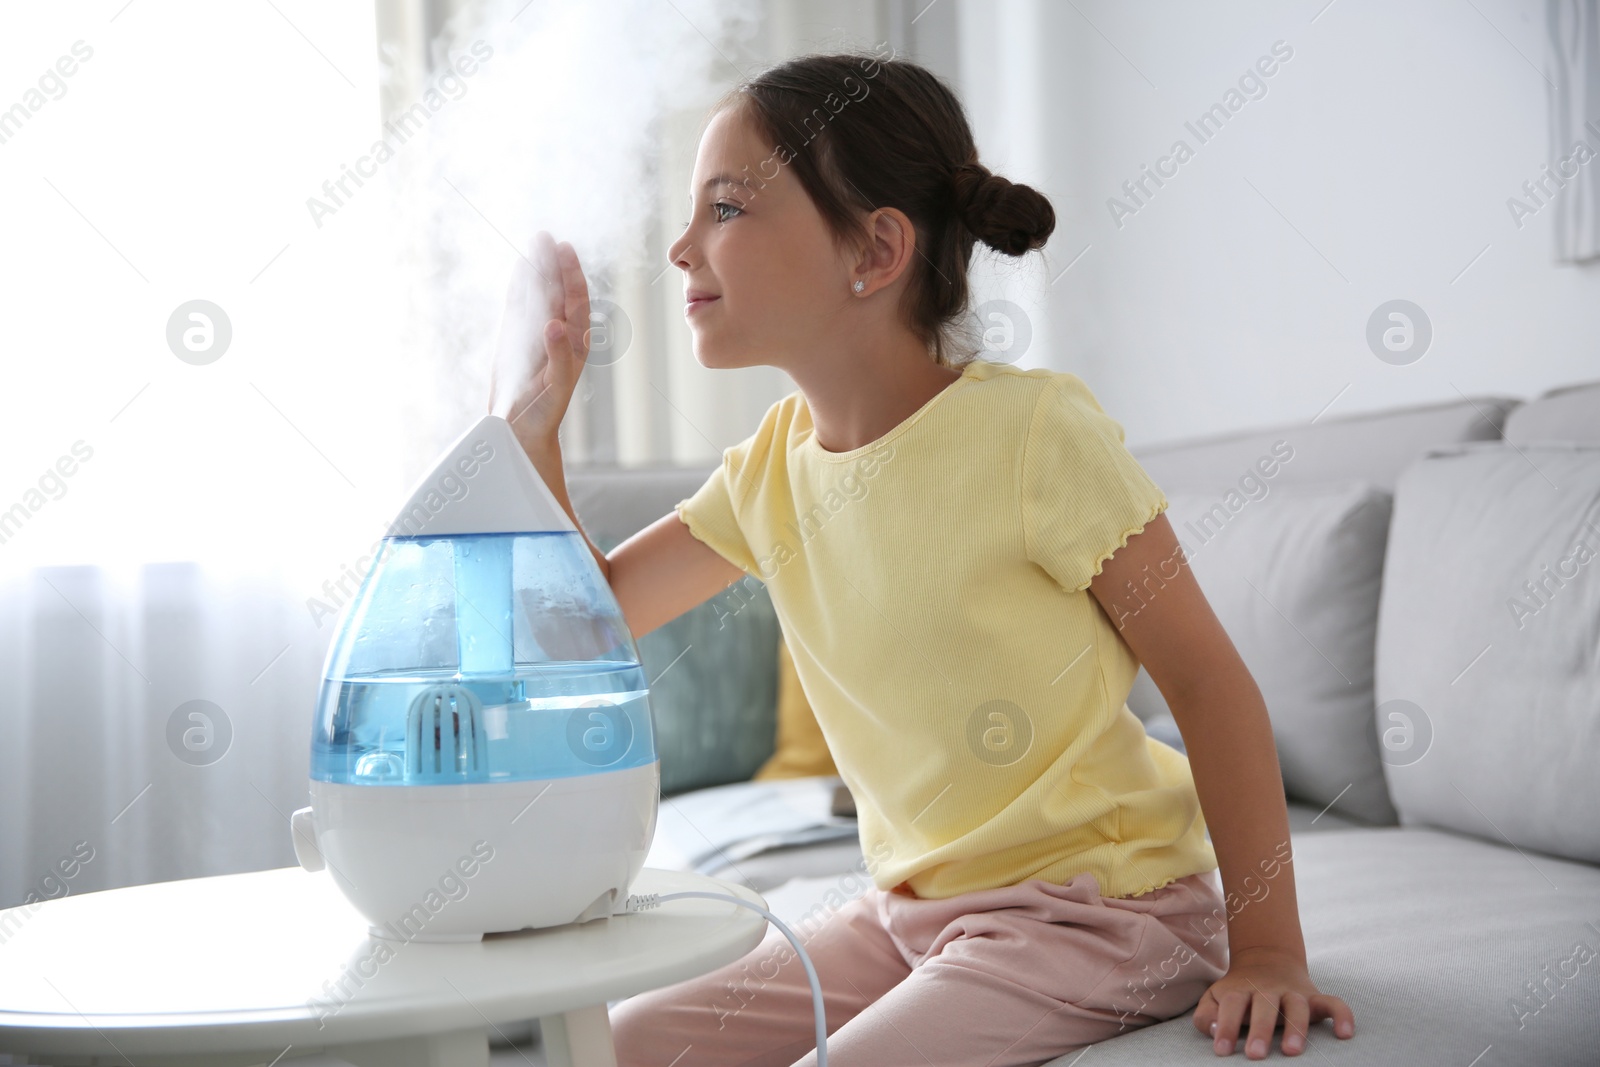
<point x="993" y="978"/>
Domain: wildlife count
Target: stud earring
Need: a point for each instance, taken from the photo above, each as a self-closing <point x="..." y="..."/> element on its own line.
<point x="860" y="285"/>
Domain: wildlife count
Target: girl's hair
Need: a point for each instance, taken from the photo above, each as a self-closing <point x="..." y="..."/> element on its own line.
<point x="862" y="132"/>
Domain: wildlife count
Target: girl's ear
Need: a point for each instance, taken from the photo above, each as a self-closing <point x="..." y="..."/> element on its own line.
<point x="891" y="242"/>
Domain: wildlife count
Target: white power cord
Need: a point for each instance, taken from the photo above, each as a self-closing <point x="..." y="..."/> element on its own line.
<point x="646" y="901"/>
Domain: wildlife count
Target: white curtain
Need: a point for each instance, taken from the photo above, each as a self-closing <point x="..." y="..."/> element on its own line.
<point x="168" y="507"/>
<point x="104" y="670"/>
<point x="1573" y="39"/>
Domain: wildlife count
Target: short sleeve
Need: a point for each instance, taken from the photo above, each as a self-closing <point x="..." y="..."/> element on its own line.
<point x="1083" y="493"/>
<point x="711" y="517"/>
<point x="712" y="513"/>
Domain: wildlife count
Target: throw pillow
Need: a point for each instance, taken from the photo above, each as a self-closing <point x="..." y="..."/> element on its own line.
<point x="1488" y="662"/>
<point x="802" y="750"/>
<point x="1294" y="577"/>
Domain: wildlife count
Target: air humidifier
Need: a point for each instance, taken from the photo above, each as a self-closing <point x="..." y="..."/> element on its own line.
<point x="483" y="753"/>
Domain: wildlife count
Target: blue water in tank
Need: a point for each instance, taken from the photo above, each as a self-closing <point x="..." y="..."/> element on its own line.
<point x="474" y="658"/>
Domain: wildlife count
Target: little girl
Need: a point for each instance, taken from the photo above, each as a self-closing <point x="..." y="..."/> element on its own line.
<point x="969" y="568"/>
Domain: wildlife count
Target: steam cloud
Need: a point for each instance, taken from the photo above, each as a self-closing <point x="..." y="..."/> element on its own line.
<point x="561" y="129"/>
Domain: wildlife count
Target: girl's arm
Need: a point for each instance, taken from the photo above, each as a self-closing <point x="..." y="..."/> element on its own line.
<point x="1149" y="593"/>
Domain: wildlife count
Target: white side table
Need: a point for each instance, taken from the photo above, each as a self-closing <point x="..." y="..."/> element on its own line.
<point x="268" y="966"/>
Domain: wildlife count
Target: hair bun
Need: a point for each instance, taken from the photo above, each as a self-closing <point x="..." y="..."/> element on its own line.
<point x="1007" y="217"/>
<point x="971" y="196"/>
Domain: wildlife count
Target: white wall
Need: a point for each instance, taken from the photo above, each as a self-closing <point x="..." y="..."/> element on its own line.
<point x="1376" y="166"/>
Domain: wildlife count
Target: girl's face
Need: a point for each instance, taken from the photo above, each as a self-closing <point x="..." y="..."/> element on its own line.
<point x="758" y="246"/>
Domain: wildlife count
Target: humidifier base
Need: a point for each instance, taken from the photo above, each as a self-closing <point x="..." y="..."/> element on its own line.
<point x="453" y="862"/>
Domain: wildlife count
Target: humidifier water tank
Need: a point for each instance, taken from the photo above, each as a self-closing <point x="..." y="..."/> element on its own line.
<point x="482" y="754"/>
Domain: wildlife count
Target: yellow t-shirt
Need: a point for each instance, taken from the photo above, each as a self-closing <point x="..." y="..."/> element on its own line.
<point x="932" y="588"/>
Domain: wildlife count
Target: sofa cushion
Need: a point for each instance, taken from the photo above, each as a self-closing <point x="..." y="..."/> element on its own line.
<point x="1488" y="659"/>
<point x="1437" y="942"/>
<point x="1294" y="577"/>
<point x="1570" y="413"/>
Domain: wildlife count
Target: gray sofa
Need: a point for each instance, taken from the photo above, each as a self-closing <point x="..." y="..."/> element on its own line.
<point x="1418" y="595"/>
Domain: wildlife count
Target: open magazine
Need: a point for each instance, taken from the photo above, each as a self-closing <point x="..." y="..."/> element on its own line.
<point x="706" y="829"/>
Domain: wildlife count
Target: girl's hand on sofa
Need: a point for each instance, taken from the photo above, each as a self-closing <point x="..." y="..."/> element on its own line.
<point x="542" y="344"/>
<point x="1261" y="986"/>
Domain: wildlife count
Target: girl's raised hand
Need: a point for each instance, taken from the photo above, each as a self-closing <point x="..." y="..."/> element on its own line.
<point x="543" y="342"/>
